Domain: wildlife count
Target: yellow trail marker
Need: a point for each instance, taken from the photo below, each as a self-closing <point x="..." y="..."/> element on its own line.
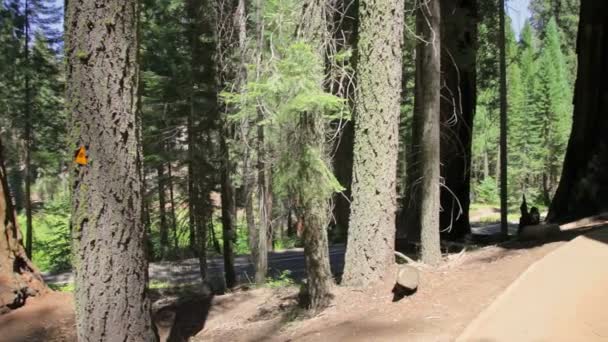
<point x="81" y="156"/>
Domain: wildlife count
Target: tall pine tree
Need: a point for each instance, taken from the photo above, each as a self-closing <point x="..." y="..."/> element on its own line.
<point x="371" y="235"/>
<point x="107" y="186"/>
<point x="553" y="107"/>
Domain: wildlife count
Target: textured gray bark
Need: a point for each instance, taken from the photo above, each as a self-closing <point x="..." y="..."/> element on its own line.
<point x="19" y="278"/>
<point x="110" y="263"/>
<point x="583" y="189"/>
<point x="316" y="255"/>
<point x="371" y="236"/>
<point x="425" y="133"/>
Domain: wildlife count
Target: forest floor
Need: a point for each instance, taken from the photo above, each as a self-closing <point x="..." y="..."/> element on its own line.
<point x="46" y="318"/>
<point x="448" y="300"/>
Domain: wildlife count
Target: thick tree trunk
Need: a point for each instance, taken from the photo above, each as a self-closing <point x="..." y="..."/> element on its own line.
<point x="583" y="189"/>
<point x="459" y="92"/>
<point x="107" y="216"/>
<point x="316" y="256"/>
<point x="19" y="278"/>
<point x="371" y="238"/>
<point x="426" y="129"/>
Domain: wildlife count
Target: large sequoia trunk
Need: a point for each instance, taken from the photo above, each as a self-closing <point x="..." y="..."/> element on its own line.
<point x="583" y="189"/>
<point x="19" y="279"/>
<point x="371" y="235"/>
<point x="107" y="206"/>
<point x="459" y="90"/>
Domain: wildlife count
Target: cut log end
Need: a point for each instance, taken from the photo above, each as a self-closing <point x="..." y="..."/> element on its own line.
<point x="407" y="277"/>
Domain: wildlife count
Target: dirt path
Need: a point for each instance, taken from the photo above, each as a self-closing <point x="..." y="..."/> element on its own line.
<point x="563" y="297"/>
<point x="46" y="318"/>
<point x="446" y="302"/>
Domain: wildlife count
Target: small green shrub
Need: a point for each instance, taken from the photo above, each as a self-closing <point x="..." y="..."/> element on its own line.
<point x="286" y="243"/>
<point x="284" y="280"/>
<point x="52" y="248"/>
<point x="486" y="191"/>
<point x="69" y="287"/>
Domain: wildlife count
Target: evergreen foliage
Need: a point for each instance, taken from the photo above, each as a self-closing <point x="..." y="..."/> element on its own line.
<point x="299" y="92"/>
<point x="540" y="110"/>
<point x="297" y="109"/>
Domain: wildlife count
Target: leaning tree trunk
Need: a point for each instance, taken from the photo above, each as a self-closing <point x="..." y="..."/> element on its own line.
<point x="459" y="91"/>
<point x="19" y="278"/>
<point x="426" y="130"/>
<point x="583" y="189"/>
<point x="371" y="238"/>
<point x="109" y="235"/>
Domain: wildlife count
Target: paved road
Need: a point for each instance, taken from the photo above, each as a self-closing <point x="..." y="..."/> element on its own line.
<point x="187" y="271"/>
